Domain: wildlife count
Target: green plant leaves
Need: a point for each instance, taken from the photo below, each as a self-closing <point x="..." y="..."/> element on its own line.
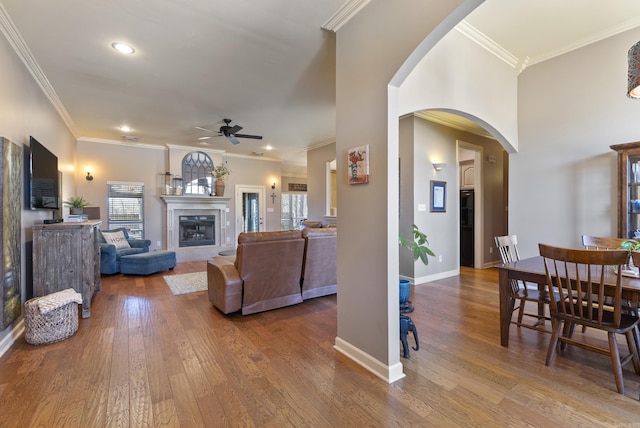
<point x="417" y="245"/>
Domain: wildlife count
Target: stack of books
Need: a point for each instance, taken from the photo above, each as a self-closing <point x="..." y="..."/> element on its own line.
<point x="76" y="218"/>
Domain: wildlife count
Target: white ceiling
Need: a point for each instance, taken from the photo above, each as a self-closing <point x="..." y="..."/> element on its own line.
<point x="265" y="64"/>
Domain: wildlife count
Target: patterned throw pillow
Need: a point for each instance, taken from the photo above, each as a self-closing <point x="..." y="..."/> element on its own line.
<point x="116" y="238"/>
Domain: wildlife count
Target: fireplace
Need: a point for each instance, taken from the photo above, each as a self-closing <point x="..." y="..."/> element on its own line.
<point x="196" y="230"/>
<point x="197" y="226"/>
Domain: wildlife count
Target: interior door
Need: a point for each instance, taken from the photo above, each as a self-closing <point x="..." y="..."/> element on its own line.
<point x="249" y="209"/>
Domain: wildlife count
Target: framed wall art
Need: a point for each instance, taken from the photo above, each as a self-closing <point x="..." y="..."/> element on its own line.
<point x="358" y="163"/>
<point x="10" y="218"/>
<point x="438" y="196"/>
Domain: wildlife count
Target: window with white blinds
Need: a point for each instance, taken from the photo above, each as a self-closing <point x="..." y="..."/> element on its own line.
<point x="125" y="207"/>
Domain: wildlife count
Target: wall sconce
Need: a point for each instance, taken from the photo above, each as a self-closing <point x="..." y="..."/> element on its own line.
<point x="633" y="87"/>
<point x="439" y="166"/>
<point x="89" y="177"/>
<point x="273" y="186"/>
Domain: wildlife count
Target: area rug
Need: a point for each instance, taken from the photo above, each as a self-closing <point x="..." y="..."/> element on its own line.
<point x="186" y="282"/>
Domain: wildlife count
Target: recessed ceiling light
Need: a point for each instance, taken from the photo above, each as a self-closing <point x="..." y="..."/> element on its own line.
<point x="125" y="128"/>
<point x="269" y="148"/>
<point x="123" y="48"/>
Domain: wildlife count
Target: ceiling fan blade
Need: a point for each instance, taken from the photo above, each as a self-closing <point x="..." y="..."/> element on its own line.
<point x="203" y="129"/>
<point x="233" y="139"/>
<point x="233" y="129"/>
<point x="205" y="138"/>
<point x="254" y="137"/>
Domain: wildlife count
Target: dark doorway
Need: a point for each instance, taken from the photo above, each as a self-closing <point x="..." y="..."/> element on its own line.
<point x="466" y="228"/>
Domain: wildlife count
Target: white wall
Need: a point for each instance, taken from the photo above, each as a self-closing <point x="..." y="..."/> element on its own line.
<point x="460" y="76"/>
<point x="571" y="109"/>
<point x="25" y="111"/>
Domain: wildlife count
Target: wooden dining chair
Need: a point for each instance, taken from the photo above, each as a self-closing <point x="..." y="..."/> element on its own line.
<point x="522" y="292"/>
<point x="606" y="243"/>
<point x="601" y="243"/>
<point x="581" y="278"/>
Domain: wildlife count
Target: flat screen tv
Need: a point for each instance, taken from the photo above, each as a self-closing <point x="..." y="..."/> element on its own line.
<point x="43" y="185"/>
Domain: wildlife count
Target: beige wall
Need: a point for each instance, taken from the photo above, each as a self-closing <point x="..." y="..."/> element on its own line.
<point x="128" y="163"/>
<point x="296" y="180"/>
<point x="316" y="181"/>
<point x="423" y="143"/>
<point x="563" y="179"/>
<point x="25" y="111"/>
<point x="139" y="163"/>
<point x="373" y="58"/>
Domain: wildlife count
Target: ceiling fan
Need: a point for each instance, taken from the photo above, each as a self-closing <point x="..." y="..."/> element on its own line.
<point x="231" y="132"/>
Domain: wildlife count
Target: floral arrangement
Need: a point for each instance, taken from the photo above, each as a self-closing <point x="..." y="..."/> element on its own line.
<point x="221" y="171"/>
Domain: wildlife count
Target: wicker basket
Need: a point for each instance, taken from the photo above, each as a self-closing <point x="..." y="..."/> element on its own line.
<point x="51" y="327"/>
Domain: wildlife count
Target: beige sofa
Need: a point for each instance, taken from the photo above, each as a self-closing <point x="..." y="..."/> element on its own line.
<point x="273" y="270"/>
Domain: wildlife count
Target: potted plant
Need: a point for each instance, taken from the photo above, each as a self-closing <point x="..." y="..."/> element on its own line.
<point x="76" y="204"/>
<point x="220" y="172"/>
<point x="419" y="249"/>
<point x="631" y="245"/>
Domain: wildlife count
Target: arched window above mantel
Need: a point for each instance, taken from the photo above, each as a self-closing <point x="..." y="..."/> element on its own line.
<point x="196" y="174"/>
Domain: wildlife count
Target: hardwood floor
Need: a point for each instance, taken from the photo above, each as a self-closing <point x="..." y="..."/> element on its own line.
<point x="148" y="358"/>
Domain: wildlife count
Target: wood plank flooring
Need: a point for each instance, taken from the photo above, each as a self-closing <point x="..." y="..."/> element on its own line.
<point x="148" y="358"/>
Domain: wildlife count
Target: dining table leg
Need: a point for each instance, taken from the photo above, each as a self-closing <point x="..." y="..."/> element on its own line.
<point x="506" y="306"/>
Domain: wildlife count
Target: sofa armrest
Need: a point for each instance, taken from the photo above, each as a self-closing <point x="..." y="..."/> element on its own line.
<point x="108" y="249"/>
<point x="225" y="285"/>
<point x="140" y="243"/>
<point x="108" y="262"/>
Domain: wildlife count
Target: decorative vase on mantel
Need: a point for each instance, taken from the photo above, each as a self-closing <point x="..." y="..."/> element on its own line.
<point x="218" y="185"/>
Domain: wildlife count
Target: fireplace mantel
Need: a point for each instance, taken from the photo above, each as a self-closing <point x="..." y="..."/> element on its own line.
<point x="185" y="205"/>
<point x="168" y="199"/>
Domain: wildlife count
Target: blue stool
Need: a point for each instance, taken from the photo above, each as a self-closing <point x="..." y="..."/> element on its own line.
<point x="147" y="263"/>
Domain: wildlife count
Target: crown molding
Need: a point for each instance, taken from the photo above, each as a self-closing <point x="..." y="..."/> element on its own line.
<point x="320" y="144"/>
<point x="485" y="42"/>
<point x="344" y="14"/>
<point x="609" y="32"/>
<point x="20" y="47"/>
<point x="520" y="64"/>
<point x="120" y="143"/>
<point x="443" y="120"/>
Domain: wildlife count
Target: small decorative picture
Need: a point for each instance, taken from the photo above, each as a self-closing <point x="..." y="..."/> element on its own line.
<point x="438" y="196"/>
<point x="358" y="161"/>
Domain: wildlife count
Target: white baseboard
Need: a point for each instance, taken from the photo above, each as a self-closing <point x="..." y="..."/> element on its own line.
<point x="16" y="331"/>
<point x="437" y="276"/>
<point x="387" y="373"/>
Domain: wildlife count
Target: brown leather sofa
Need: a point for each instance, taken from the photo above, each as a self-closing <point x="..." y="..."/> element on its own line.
<point x="268" y="270"/>
<point x="319" y="271"/>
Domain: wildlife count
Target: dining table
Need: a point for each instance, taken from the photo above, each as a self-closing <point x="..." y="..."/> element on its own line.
<point x="532" y="270"/>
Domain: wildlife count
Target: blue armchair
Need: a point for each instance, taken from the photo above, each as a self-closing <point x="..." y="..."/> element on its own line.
<point x="110" y="256"/>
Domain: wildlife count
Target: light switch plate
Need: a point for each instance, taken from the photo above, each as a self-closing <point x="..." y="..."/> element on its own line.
<point x="422" y="207"/>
